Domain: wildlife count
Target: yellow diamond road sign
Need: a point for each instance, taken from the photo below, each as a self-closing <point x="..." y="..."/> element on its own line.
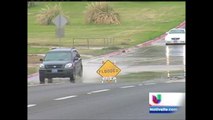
<point x="108" y="69"/>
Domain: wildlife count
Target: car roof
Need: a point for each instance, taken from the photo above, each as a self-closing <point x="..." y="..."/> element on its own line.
<point x="62" y="49"/>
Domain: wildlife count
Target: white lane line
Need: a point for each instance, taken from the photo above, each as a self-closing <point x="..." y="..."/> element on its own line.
<point x="97" y="91"/>
<point x="175" y="81"/>
<point x="43" y="84"/>
<point x="67" y="97"/>
<point x="31" y="105"/>
<point x="140" y="84"/>
<point x="149" y="83"/>
<point x="127" y="86"/>
<point x="36" y="85"/>
<point x="169" y="82"/>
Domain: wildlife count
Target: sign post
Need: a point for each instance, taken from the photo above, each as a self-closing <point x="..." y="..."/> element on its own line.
<point x="60" y="21"/>
<point x="108" y="71"/>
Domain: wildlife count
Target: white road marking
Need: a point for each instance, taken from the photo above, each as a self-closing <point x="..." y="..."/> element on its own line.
<point x="97" y="91"/>
<point x="127" y="86"/>
<point x="31" y="105"/>
<point x="168" y="81"/>
<point x="149" y="83"/>
<point x="36" y="85"/>
<point x="67" y="97"/>
<point x="140" y="84"/>
<point x="173" y="81"/>
<point x="44" y="84"/>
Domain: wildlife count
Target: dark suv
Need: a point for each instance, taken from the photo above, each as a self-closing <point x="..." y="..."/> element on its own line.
<point x="60" y="62"/>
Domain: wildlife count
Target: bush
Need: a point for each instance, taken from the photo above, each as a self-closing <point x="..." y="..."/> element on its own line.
<point x="101" y="13"/>
<point x="46" y="15"/>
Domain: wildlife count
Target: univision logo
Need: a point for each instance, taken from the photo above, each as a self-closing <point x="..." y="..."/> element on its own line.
<point x="164" y="102"/>
<point x="156" y="99"/>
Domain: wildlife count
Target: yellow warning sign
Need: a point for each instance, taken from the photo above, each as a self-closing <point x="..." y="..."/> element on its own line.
<point x="108" y="69"/>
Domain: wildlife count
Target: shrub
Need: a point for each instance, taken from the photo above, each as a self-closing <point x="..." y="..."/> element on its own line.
<point x="101" y="13"/>
<point x="46" y="15"/>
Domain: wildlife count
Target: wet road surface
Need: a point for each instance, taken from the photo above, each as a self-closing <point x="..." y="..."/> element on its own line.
<point x="157" y="57"/>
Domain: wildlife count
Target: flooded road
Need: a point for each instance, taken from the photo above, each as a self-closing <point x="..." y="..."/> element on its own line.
<point x="156" y="58"/>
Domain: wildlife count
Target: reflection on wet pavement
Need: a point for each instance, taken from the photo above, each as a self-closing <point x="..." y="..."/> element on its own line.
<point x="156" y="58"/>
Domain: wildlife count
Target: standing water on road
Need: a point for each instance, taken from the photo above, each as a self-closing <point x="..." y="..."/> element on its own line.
<point x="159" y="59"/>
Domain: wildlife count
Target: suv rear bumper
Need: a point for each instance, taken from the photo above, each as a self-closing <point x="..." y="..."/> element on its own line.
<point x="47" y="73"/>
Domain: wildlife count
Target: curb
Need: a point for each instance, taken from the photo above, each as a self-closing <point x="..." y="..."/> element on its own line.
<point x="182" y="24"/>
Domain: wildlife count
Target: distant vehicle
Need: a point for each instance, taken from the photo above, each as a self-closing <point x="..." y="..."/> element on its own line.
<point x="61" y="63"/>
<point x="175" y="36"/>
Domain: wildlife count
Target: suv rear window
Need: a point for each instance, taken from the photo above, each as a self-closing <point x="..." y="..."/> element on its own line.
<point x="58" y="56"/>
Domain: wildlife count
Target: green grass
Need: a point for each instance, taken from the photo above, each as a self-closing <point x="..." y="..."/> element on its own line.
<point x="143" y="76"/>
<point x="85" y="51"/>
<point x="34" y="59"/>
<point x="37" y="50"/>
<point x="32" y="70"/>
<point x="140" y="21"/>
<point x="97" y="52"/>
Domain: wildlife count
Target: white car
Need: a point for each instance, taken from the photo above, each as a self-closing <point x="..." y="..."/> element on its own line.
<point x="175" y="36"/>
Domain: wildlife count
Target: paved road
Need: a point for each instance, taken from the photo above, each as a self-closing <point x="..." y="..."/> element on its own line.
<point x="99" y="101"/>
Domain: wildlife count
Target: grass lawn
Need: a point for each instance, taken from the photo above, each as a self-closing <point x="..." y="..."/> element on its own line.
<point x="34" y="59"/>
<point x="37" y="50"/>
<point x="31" y="70"/>
<point x="143" y="76"/>
<point x="33" y="63"/>
<point x="140" y="22"/>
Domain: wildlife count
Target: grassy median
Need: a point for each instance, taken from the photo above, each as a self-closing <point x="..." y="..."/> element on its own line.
<point x="143" y="76"/>
<point x="140" y="21"/>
